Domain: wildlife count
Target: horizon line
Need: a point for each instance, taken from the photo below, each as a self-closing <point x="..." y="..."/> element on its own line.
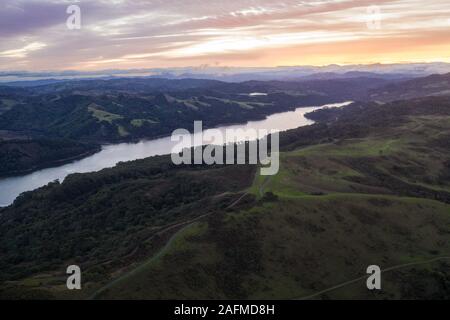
<point x="207" y="66"/>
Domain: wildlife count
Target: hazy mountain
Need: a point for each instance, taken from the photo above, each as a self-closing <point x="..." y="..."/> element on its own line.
<point x="237" y="74"/>
<point x="434" y="85"/>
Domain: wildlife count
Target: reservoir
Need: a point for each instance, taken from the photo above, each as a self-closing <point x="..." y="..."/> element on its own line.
<point x="110" y="155"/>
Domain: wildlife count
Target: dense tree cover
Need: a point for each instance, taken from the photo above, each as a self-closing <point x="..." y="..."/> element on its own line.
<point x="359" y="119"/>
<point x="103" y="220"/>
<point x="433" y="85"/>
<point x="127" y="109"/>
<point x="109" y="214"/>
<point x="130" y="109"/>
<point x="376" y="178"/>
<point x="19" y="156"/>
<point x="101" y="111"/>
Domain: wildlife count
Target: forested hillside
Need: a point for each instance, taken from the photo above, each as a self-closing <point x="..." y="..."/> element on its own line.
<point x="21" y="156"/>
<point x="368" y="184"/>
<point x="131" y="109"/>
<point x="433" y="85"/>
<point x="117" y="110"/>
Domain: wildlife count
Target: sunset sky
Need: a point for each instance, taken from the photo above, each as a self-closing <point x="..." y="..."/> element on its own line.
<point x="123" y="34"/>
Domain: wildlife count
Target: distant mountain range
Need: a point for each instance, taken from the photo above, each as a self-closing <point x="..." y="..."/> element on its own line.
<point x="237" y="74"/>
<point x="434" y="85"/>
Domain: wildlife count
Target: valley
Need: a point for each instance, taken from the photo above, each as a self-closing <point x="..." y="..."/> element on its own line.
<point x="224" y="158"/>
<point x="98" y="112"/>
<point x="111" y="154"/>
<point x="341" y="201"/>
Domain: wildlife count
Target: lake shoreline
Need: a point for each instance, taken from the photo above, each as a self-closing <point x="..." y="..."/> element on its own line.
<point x="51" y="164"/>
<point x="206" y="127"/>
<point x="112" y="154"/>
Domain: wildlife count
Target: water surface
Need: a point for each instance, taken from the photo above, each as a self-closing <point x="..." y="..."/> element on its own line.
<point x="110" y="155"/>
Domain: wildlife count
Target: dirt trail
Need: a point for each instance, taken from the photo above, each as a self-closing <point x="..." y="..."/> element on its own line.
<point x="400" y="266"/>
<point x="263" y="185"/>
<point x="183" y="224"/>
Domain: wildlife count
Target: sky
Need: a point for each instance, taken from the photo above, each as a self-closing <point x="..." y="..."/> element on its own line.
<point x="130" y="34"/>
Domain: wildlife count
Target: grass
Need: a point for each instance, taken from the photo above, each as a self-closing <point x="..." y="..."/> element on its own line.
<point x="180" y="246"/>
<point x="122" y="131"/>
<point x="103" y="115"/>
<point x="140" y="122"/>
<point x="243" y="105"/>
<point x="323" y="230"/>
<point x="368" y="147"/>
<point x="306" y="244"/>
<point x="331" y="220"/>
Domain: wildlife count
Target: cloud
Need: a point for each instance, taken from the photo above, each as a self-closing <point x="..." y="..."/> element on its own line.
<point x="142" y="33"/>
<point x="22" y="52"/>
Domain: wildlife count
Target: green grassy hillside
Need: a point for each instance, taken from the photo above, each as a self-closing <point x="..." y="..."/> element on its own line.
<point x="367" y="185"/>
<point x="292" y="248"/>
<point x="333" y="209"/>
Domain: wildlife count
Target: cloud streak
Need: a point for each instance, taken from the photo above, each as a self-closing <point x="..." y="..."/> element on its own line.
<point x="141" y="34"/>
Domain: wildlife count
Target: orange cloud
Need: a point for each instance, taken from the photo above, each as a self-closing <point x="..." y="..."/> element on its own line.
<point x="174" y="33"/>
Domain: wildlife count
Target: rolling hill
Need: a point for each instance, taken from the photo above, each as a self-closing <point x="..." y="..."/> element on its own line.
<point x="433" y="85"/>
<point x="131" y="109"/>
<point x="22" y="156"/>
<point x="368" y="184"/>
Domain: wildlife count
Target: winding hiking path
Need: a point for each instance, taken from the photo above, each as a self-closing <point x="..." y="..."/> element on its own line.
<point x="400" y="266"/>
<point x="184" y="225"/>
